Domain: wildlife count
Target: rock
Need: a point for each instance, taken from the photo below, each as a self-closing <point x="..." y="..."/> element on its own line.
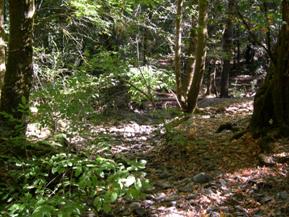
<point x="223" y="182"/>
<point x="266" y="199"/>
<point x="171" y="198"/>
<point x="141" y="212"/>
<point x="160" y="197"/>
<point x="134" y="205"/>
<point x="148" y="203"/>
<point x="202" y="178"/>
<point x="137" y="209"/>
<point x="164" y="174"/>
<point x="283" y="195"/>
<point x="173" y="203"/>
<point x="266" y="160"/>
<point x="187" y="188"/>
<point x="227" y="126"/>
<point x="163" y="185"/>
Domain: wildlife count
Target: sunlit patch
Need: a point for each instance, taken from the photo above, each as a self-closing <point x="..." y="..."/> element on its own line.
<point x="132" y="136"/>
<point x="33" y="109"/>
<point x="36" y="131"/>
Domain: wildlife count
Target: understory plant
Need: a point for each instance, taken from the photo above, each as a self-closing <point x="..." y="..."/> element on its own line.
<point x="146" y="80"/>
<point x="67" y="184"/>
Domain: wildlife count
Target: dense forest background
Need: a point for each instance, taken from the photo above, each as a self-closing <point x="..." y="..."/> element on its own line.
<point x="144" y="108"/>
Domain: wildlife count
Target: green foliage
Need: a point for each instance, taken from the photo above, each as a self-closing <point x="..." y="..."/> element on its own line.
<point x="68" y="185"/>
<point x="144" y="81"/>
<point x="175" y="137"/>
<point x="103" y="62"/>
<point x="69" y="98"/>
<point x="259" y="19"/>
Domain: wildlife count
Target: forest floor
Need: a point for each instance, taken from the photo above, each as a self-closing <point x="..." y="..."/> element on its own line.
<point x="199" y="165"/>
<point x="198" y="168"/>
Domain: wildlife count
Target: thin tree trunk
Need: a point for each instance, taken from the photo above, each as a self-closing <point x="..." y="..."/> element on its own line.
<point x="18" y="77"/>
<point x="227" y="50"/>
<point x="211" y="79"/>
<point x="178" y="52"/>
<point x="200" y="56"/>
<point x="187" y="78"/>
<point x="2" y="44"/>
<point x="268" y="32"/>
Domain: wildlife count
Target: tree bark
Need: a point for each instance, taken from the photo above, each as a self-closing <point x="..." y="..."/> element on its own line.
<point x="271" y="105"/>
<point x="188" y="74"/>
<point x="200" y="57"/>
<point x="19" y="72"/>
<point x="178" y="53"/>
<point x="2" y="44"/>
<point x="227" y="50"/>
<point x="211" y="78"/>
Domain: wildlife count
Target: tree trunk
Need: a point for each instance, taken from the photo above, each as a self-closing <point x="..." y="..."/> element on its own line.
<point x="211" y="78"/>
<point x="200" y="57"/>
<point x="271" y="106"/>
<point x="2" y="44"/>
<point x="178" y="53"/>
<point x="188" y="83"/>
<point x="227" y="50"/>
<point x="18" y="77"/>
<point x="188" y="74"/>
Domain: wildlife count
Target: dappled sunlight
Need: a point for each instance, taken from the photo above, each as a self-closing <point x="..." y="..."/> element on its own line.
<point x="195" y="164"/>
<point x="144" y="108"/>
<point x="36" y="131"/>
<point x="129" y="137"/>
<point x="206" y="171"/>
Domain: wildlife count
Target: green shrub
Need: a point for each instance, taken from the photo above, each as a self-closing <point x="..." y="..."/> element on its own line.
<point x="144" y="81"/>
<point x="69" y="185"/>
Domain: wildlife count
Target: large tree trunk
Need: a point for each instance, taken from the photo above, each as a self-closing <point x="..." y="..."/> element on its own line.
<point x="271" y="106"/>
<point x="18" y="77"/>
<point x="2" y="44"/>
<point x="227" y="50"/>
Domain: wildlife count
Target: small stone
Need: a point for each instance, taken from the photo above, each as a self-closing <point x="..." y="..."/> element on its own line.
<point x="160" y="196"/>
<point x="134" y="205"/>
<point x="171" y="198"/>
<point x="163" y="185"/>
<point x="266" y="199"/>
<point x="266" y="160"/>
<point x="164" y="174"/>
<point x="223" y="182"/>
<point x="136" y="208"/>
<point x="202" y="178"/>
<point x="284" y="195"/>
<point x="141" y="212"/>
<point x="148" y="203"/>
<point x="173" y="203"/>
<point x="187" y="188"/>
